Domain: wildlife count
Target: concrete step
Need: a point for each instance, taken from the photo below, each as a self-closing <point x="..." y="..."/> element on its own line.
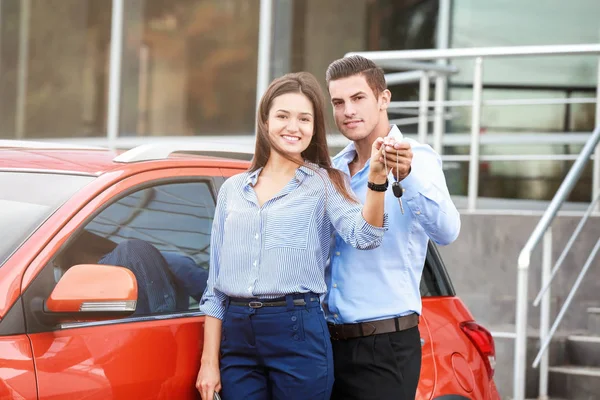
<point x="583" y="350"/>
<point x="593" y="320"/>
<point x="575" y="382"/>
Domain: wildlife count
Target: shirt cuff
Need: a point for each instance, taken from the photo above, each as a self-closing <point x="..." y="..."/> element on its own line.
<point x="375" y="231"/>
<point x="213" y="307"/>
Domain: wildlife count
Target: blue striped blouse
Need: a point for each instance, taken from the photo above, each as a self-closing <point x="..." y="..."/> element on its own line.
<point x="283" y="246"/>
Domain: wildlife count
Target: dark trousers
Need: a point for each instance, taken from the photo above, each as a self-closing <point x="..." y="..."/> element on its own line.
<point x="278" y="353"/>
<point x="378" y="367"/>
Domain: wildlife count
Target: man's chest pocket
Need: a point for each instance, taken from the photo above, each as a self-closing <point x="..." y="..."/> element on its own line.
<point x="288" y="229"/>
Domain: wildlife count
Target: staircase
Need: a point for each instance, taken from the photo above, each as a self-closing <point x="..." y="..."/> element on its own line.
<point x="579" y="377"/>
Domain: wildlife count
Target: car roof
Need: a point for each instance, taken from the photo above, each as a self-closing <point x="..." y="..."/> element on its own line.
<point x="34" y="156"/>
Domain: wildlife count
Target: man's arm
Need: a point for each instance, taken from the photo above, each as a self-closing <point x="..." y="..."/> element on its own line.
<point x="427" y="197"/>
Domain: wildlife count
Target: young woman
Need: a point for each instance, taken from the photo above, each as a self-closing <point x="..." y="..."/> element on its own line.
<point x="265" y="335"/>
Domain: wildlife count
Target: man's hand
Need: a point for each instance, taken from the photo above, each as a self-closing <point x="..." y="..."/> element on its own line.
<point x="399" y="157"/>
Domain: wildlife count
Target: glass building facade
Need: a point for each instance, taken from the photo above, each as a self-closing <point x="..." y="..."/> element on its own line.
<point x="189" y="67"/>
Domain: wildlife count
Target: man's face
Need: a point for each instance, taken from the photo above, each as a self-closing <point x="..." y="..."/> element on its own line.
<point x="356" y="109"/>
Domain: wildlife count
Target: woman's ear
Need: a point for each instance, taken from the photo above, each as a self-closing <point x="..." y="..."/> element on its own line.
<point x="384" y="100"/>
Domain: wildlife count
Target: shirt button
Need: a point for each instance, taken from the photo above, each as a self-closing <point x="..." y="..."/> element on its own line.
<point x="335" y="285"/>
<point x="256" y="236"/>
<point x="250" y="289"/>
<point x="337" y="253"/>
<point x="418" y="212"/>
<point x="335" y="316"/>
<point x="254" y="263"/>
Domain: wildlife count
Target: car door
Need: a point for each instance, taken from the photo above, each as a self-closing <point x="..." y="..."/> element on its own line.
<point x="154" y="353"/>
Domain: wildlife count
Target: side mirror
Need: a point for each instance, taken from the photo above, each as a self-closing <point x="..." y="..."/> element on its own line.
<point x="89" y="292"/>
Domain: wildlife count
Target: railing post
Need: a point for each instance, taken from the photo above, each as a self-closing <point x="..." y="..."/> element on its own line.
<point x="545" y="313"/>
<point x="475" y="131"/>
<point x="23" y="69"/>
<point x="114" y="83"/>
<point x="265" y="39"/>
<point x="519" y="372"/>
<point x="423" y="108"/>
<point x="442" y="42"/>
<point x="596" y="164"/>
<point x="439" y="120"/>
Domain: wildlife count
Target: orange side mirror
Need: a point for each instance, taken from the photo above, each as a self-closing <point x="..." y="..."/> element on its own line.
<point x="89" y="291"/>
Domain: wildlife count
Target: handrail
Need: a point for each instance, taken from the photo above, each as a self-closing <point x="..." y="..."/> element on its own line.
<point x="404" y="65"/>
<point x="525" y="258"/>
<point x="566" y="250"/>
<point x="567" y="303"/>
<point x="516" y="51"/>
<point x="561" y="194"/>
<point x="393" y="58"/>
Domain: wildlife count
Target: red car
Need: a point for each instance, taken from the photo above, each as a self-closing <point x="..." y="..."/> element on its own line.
<point x="71" y="326"/>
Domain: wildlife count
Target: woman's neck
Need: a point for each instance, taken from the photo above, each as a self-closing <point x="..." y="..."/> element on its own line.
<point x="280" y="166"/>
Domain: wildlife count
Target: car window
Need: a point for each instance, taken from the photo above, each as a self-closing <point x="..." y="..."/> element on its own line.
<point x="162" y="234"/>
<point x="435" y="280"/>
<point x="27" y="199"/>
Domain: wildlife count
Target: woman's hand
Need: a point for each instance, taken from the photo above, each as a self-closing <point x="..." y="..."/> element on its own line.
<point x="377" y="171"/>
<point x="209" y="380"/>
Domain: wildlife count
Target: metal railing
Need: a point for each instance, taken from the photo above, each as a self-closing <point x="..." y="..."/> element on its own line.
<point x="395" y="58"/>
<point x="404" y="59"/>
<point x="541" y="229"/>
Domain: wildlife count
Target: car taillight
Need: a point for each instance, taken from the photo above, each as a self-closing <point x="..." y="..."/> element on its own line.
<point x="484" y="343"/>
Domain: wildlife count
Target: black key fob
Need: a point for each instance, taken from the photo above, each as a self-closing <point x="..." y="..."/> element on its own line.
<point x="397" y="189"/>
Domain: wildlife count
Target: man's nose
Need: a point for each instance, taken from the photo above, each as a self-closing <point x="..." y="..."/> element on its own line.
<point x="349" y="111"/>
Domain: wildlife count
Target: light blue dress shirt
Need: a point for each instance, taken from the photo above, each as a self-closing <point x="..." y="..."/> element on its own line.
<point x="283" y="246"/>
<point x="384" y="282"/>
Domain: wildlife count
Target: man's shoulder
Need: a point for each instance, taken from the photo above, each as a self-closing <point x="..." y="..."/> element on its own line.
<point x="340" y="158"/>
<point x="421" y="150"/>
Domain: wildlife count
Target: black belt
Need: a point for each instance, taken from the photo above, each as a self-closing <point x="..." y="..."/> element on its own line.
<point x="268" y="303"/>
<point x="351" y="331"/>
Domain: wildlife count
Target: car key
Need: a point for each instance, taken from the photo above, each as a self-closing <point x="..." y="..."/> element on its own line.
<point x="398" y="190"/>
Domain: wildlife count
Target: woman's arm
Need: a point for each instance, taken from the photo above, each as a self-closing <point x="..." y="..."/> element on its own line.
<point x="361" y="226"/>
<point x="373" y="210"/>
<point x="209" y="377"/>
<point x="212" y="304"/>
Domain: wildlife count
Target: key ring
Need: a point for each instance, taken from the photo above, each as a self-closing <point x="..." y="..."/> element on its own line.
<point x="397" y="188"/>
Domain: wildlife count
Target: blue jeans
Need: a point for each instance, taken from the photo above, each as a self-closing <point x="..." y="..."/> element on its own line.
<point x="276" y="353"/>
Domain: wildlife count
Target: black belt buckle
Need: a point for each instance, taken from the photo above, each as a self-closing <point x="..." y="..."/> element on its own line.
<point x="255" y="304"/>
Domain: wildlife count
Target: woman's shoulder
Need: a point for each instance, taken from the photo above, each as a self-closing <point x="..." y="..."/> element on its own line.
<point x="315" y="168"/>
<point x="236" y="181"/>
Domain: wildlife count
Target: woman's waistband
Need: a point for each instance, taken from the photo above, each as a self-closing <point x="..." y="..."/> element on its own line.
<point x="290" y="301"/>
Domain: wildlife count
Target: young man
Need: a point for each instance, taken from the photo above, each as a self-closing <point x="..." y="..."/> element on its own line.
<point x="373" y="303"/>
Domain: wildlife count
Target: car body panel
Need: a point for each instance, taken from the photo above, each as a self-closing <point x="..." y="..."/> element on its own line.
<point x="131" y="359"/>
<point x="159" y="356"/>
<point x="17" y="369"/>
<point x="444" y="315"/>
<point x="428" y="375"/>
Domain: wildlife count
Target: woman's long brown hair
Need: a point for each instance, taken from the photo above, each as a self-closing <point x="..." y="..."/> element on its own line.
<point x="317" y="151"/>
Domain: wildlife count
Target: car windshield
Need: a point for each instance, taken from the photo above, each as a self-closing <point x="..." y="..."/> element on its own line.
<point x="27" y="199"/>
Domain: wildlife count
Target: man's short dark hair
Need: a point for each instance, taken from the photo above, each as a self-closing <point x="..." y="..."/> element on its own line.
<point x="357" y="65"/>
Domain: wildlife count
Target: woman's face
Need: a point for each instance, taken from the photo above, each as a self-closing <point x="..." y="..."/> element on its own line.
<point x="291" y="123"/>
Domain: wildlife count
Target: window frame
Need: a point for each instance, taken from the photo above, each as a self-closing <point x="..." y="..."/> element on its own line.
<point x="41" y="289"/>
<point x="434" y="265"/>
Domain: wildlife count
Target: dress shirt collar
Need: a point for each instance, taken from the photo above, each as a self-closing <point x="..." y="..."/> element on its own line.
<point x="305" y="170"/>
